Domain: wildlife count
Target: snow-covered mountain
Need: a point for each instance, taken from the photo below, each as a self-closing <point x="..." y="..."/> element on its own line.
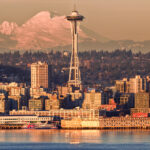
<point x="7" y="28"/>
<point x="41" y="31"/>
<point x="48" y="31"/>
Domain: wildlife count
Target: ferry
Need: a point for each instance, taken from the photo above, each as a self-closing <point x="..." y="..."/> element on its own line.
<point x="28" y="126"/>
<point x="39" y="126"/>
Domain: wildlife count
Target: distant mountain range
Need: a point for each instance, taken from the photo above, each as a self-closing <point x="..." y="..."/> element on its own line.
<point x="48" y="31"/>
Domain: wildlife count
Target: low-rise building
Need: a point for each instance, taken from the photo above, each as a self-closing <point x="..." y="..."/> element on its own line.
<point x="52" y="102"/>
<point x="141" y="100"/>
<point x="126" y="101"/>
<point x="63" y="90"/>
<point x="15" y="102"/>
<point x="36" y="104"/>
<point x="36" y="91"/>
<point x="141" y="103"/>
<point x="76" y="95"/>
<point x="4" y="104"/>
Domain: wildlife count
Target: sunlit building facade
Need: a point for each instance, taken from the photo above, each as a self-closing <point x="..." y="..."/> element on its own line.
<point x="39" y="75"/>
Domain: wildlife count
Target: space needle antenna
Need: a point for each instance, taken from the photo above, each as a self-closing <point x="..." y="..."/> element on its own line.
<point x="75" y="5"/>
<point x="74" y="72"/>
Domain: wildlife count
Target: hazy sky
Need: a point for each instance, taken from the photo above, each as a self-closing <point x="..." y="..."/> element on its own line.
<point x="114" y="19"/>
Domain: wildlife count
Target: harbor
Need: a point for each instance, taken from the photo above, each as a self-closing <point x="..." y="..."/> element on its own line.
<point x="28" y="122"/>
<point x="49" y="122"/>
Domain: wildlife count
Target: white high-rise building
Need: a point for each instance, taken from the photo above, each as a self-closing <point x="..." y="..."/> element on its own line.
<point x="39" y="75"/>
<point x="136" y="84"/>
<point x="133" y="85"/>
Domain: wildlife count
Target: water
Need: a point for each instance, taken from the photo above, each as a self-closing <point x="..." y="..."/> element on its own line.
<point x="75" y="139"/>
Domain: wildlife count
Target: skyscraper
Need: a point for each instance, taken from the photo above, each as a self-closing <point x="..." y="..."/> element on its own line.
<point x="74" y="73"/>
<point x="39" y="75"/>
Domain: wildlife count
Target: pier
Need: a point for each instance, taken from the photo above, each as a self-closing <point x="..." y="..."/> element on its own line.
<point x="23" y="119"/>
<point x="11" y="126"/>
<point x="107" y="123"/>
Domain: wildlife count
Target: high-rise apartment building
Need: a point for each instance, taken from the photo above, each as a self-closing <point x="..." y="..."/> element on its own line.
<point x="136" y="84"/>
<point x="39" y="75"/>
<point x="121" y="85"/>
<point x="132" y="85"/>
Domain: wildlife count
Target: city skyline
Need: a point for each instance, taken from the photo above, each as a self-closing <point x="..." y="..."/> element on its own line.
<point x="106" y="86"/>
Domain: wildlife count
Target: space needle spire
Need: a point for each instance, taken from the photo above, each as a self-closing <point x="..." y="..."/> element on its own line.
<point x="74" y="72"/>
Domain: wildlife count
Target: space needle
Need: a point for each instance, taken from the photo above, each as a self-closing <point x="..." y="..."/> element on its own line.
<point x="74" y="72"/>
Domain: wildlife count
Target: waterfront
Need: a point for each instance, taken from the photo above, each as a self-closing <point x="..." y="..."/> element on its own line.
<point x="74" y="139"/>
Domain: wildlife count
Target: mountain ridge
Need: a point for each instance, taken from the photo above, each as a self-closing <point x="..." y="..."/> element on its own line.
<point x="41" y="31"/>
<point x="47" y="30"/>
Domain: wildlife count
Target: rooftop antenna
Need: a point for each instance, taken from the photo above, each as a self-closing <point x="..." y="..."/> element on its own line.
<point x="75" y="5"/>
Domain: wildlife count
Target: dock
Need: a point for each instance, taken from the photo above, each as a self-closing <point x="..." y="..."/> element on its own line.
<point x="11" y="126"/>
<point x="107" y="123"/>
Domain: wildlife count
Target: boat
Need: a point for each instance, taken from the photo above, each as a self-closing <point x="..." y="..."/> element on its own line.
<point x="40" y="126"/>
<point x="28" y="126"/>
<point x="45" y="126"/>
